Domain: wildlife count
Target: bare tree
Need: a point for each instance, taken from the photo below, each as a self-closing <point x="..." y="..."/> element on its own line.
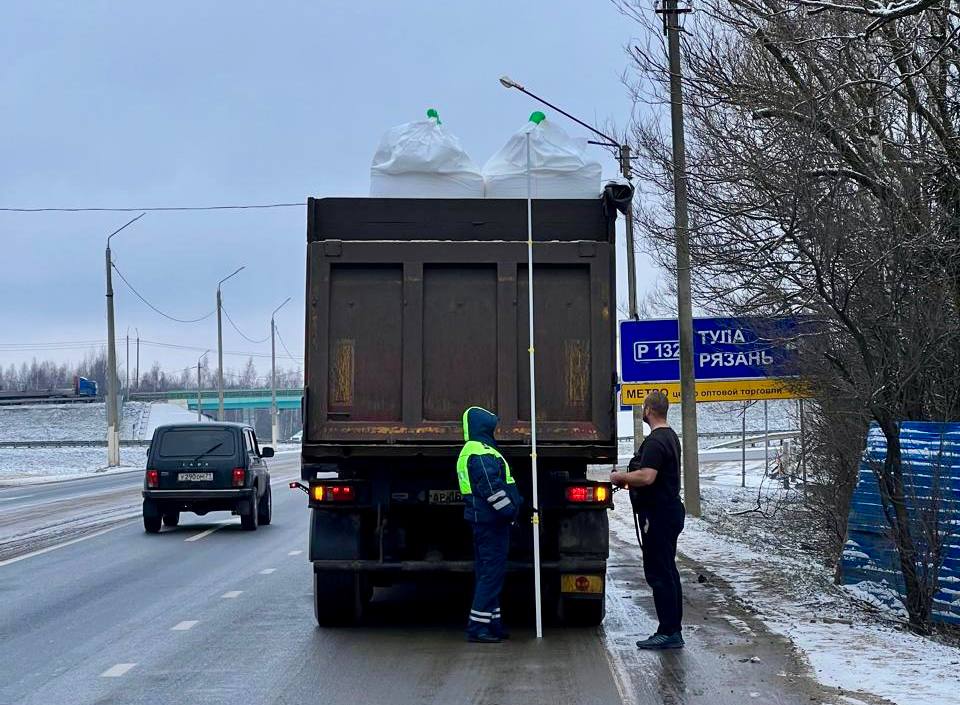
<point x="824" y="177"/>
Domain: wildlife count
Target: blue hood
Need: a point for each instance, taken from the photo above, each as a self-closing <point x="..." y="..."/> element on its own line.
<point x="479" y="425"/>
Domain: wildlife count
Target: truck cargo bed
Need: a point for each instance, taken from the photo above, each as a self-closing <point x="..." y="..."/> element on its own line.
<point x="417" y="309"/>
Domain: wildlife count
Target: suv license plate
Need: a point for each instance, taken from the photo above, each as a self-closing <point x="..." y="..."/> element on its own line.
<point x="445" y="496"/>
<point x="195" y="477"/>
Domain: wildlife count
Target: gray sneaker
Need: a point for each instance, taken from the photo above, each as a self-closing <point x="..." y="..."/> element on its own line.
<point x="662" y="641"/>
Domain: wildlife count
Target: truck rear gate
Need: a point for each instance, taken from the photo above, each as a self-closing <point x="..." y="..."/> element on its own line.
<point x="417" y="309"/>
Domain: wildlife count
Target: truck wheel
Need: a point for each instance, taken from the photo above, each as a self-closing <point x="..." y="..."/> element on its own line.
<point x="249" y="520"/>
<point x="579" y="612"/>
<point x="151" y="517"/>
<point x="265" y="508"/>
<point x="338" y="597"/>
<point x="171" y="518"/>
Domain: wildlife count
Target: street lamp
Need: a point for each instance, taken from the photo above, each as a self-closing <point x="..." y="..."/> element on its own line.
<point x="274" y="421"/>
<point x="199" y="399"/>
<point x="220" y="344"/>
<point x="113" y="413"/>
<point x="688" y="407"/>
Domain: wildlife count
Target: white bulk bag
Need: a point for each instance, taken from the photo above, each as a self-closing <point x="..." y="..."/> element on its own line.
<point x="559" y="165"/>
<point x="422" y="160"/>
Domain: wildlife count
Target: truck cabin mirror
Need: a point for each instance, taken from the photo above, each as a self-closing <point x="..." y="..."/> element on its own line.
<point x="266" y="452"/>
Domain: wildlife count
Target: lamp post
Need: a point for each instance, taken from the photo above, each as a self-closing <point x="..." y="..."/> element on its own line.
<point x="274" y="420"/>
<point x="199" y="396"/>
<point x="220" y="344"/>
<point x="688" y="408"/>
<point x="113" y="413"/>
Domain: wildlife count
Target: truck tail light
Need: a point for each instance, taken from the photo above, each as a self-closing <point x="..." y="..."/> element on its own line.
<point x="588" y="494"/>
<point x="239" y="475"/>
<point x="333" y="493"/>
<point x="153" y="478"/>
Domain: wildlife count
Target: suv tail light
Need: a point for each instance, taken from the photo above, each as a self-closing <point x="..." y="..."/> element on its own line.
<point x="588" y="494"/>
<point x="239" y="475"/>
<point x="333" y="493"/>
<point x="153" y="478"/>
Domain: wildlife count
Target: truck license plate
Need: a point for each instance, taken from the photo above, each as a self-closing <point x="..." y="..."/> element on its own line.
<point x="445" y="496"/>
<point x="195" y="477"/>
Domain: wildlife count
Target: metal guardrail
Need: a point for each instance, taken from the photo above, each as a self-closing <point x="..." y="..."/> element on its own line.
<point x="67" y="444"/>
<point x="727" y="434"/>
<point x="212" y="394"/>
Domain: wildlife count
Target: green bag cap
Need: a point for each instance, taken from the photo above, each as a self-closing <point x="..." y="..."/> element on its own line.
<point x="537" y="117"/>
<point x="432" y="113"/>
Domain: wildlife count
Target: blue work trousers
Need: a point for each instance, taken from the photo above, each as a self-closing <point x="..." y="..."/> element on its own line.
<point x="491" y="543"/>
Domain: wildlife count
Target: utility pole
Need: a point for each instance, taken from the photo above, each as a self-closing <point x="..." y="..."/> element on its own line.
<point x="274" y="416"/>
<point x="199" y="383"/>
<point x="137" y="381"/>
<point x="126" y="369"/>
<point x="220" y="346"/>
<point x="688" y="396"/>
<point x="113" y="413"/>
<point x="631" y="284"/>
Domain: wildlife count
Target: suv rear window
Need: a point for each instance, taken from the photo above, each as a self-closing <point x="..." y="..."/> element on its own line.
<point x="196" y="441"/>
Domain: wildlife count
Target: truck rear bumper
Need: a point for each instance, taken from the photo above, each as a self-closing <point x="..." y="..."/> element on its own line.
<point x="564" y="565"/>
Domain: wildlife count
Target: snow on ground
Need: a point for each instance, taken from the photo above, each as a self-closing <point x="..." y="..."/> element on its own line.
<point x="849" y="643"/>
<point x="38" y="464"/>
<point x="66" y="422"/>
<point x="162" y="413"/>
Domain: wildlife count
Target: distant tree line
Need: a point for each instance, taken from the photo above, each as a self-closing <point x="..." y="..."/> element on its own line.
<point x="41" y="375"/>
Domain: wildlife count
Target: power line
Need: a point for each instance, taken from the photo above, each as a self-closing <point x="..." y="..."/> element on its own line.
<point x="242" y="334"/>
<point x="277" y="329"/>
<point x="155" y="208"/>
<point x="165" y="315"/>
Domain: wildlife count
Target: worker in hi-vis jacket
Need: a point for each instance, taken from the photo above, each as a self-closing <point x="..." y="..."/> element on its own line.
<point x="492" y="504"/>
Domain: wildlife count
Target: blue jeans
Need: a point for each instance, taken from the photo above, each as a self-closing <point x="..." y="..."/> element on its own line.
<point x="491" y="543"/>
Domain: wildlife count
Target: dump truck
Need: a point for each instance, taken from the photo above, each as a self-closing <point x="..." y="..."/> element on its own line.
<point x="417" y="309"/>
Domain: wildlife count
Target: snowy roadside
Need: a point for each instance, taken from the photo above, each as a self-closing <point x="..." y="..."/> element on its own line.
<point x="848" y="644"/>
<point x="20" y="466"/>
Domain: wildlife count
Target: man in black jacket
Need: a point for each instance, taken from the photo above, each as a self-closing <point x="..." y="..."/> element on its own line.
<point x="653" y="477"/>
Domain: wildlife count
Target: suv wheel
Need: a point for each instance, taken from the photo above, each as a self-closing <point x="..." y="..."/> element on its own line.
<point x="171" y="518"/>
<point x="249" y="520"/>
<point x="265" y="508"/>
<point x="151" y="517"/>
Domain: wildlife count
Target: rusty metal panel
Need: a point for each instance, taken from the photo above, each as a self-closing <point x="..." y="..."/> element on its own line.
<point x="562" y="315"/>
<point x="459" y="339"/>
<point x="366" y="315"/>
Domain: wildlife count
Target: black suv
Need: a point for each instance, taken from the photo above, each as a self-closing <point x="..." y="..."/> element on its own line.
<point x="204" y="468"/>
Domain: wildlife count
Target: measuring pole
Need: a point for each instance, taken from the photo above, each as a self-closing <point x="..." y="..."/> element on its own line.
<point x="533" y="406"/>
<point x="688" y="395"/>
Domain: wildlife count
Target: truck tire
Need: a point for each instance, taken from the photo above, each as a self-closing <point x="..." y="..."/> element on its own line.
<point x="151" y="517"/>
<point x="249" y="521"/>
<point x="338" y="597"/>
<point x="579" y="612"/>
<point x="171" y="518"/>
<point x="265" y="508"/>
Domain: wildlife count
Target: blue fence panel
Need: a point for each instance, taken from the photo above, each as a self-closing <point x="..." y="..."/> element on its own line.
<point x="931" y="476"/>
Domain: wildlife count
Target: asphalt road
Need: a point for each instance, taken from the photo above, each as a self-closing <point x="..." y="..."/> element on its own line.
<point x="207" y="613"/>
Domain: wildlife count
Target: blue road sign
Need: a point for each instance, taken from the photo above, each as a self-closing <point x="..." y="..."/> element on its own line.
<point x="723" y="348"/>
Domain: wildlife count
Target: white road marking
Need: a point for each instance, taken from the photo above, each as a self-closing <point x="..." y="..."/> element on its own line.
<point x="185" y="625"/>
<point x="117" y="671"/>
<point x="41" y="551"/>
<point x="202" y="534"/>
<point x="232" y="594"/>
<point x="267" y="571"/>
<point x="19" y="496"/>
<point x="294" y="553"/>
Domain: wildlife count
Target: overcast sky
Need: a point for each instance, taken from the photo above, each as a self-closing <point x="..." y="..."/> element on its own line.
<point x="200" y="103"/>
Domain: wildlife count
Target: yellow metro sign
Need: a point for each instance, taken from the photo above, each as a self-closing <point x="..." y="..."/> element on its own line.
<point x="633" y="394"/>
